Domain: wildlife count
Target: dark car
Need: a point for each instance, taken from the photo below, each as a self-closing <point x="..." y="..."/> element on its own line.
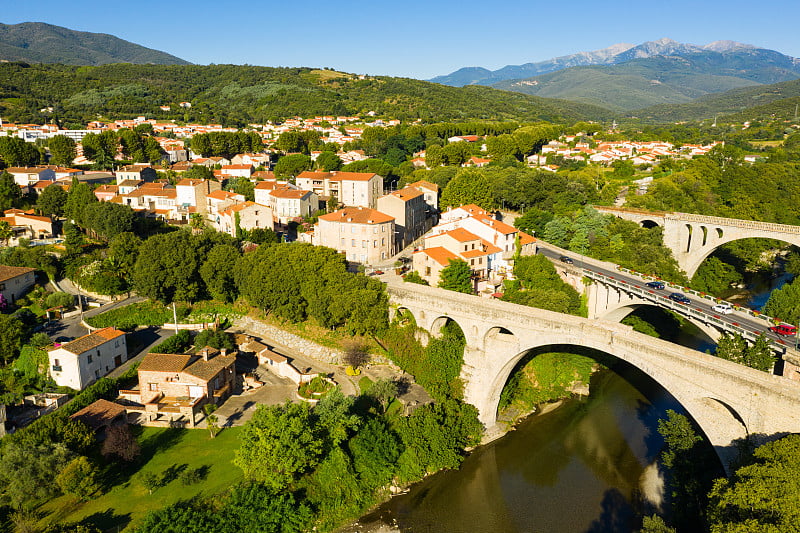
<point x="659" y="285"/>
<point x="784" y="329"/>
<point x="565" y="259"/>
<point x="680" y="298"/>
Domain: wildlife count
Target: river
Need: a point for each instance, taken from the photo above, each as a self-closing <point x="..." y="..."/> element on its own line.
<point x="587" y="465"/>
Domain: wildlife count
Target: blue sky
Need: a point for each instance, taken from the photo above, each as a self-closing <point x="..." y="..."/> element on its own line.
<point x="412" y="38"/>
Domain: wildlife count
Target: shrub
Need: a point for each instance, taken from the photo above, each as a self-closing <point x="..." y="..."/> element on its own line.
<point x="178" y="343"/>
<point x="60" y="299"/>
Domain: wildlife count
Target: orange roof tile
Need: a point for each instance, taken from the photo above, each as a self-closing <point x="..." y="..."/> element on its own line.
<point x="462" y="235"/>
<point x="440" y="254"/>
<point x="357" y="215"/>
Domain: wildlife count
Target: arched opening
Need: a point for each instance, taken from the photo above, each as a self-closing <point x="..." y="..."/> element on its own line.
<point x="649" y="224"/>
<point x="438" y="326"/>
<point x="719" y="233"/>
<point x="745" y="271"/>
<point x="404" y="317"/>
<point x="705" y="234"/>
<point x="655" y="321"/>
<point x="634" y="395"/>
<point x="688" y="237"/>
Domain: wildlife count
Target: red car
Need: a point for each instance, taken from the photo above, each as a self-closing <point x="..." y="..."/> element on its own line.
<point x="784" y="329"/>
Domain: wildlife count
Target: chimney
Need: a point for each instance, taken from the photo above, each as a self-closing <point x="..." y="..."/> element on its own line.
<point x="204" y="353"/>
<point x="223" y="351"/>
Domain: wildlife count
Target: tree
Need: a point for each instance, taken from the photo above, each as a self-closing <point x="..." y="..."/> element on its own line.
<point x="785" y="303"/>
<point x="212" y="420"/>
<point x="52" y="200"/>
<point x="121" y="442"/>
<point x="5" y="232"/>
<point x="101" y="148"/>
<point x="18" y="153"/>
<point x="456" y="276"/>
<point x="12" y="332"/>
<point x="328" y="161"/>
<point x="79" y="478"/>
<point x="217" y="272"/>
<point x="289" y="166"/>
<point x="356" y="353"/>
<point x="414" y="277"/>
<point x="761" y="496"/>
<point x="383" y="390"/>
<point x="468" y="187"/>
<point x="26" y="472"/>
<point x="10" y="192"/>
<point x="62" y="150"/>
<point x="124" y="248"/>
<point x="688" y="485"/>
<point x="279" y="444"/>
<point x="80" y="196"/>
<point x="198" y="172"/>
<point x="167" y="268"/>
<point x="150" y="480"/>
<point x="759" y="355"/>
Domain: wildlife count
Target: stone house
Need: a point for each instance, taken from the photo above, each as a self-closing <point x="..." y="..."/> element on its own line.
<point x="410" y="211"/>
<point x="15" y="282"/>
<point x="364" y="235"/>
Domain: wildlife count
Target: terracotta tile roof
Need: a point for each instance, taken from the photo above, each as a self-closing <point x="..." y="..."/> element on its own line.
<point x="354" y="176"/>
<point x="263" y="175"/>
<point x="425" y="185"/>
<point x="497" y="225"/>
<point x="98" y="414"/>
<point x="222" y="195"/>
<point x="130" y="183"/>
<point x="92" y="340"/>
<point x="474" y="209"/>
<point x="25" y="170"/>
<point x="440" y="254"/>
<point x="477" y="252"/>
<point x="407" y="193"/>
<point x="206" y="370"/>
<point x="190" y="182"/>
<point x="267" y="185"/>
<point x="269" y="354"/>
<point x="314" y="175"/>
<point x="162" y="362"/>
<point x="357" y="215"/>
<point x="524" y="238"/>
<point x="289" y="193"/>
<point x="32" y="217"/>
<point x="9" y="272"/>
<point x="462" y="235"/>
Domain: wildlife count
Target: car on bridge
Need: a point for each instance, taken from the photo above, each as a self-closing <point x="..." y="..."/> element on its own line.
<point x="680" y="298"/>
<point x="658" y="285"/>
<point x="723" y="308"/>
<point x="783" y="329"/>
<point x="565" y="259"/>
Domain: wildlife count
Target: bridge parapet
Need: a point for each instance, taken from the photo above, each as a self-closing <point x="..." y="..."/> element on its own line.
<point x="734" y="222"/>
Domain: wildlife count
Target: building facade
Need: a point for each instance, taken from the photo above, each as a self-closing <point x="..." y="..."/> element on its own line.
<point x="83" y="361"/>
<point x="364" y="235"/>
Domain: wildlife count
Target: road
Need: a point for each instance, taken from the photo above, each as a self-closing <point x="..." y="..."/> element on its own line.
<point x="697" y="305"/>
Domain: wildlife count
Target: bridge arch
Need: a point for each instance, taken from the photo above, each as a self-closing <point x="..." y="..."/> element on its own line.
<point x="716" y="416"/>
<point x="649" y="223"/>
<point x="617" y="314"/>
<point x="720" y="238"/>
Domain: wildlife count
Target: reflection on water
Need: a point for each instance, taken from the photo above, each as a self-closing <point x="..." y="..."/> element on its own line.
<point x="760" y="289"/>
<point x="583" y="467"/>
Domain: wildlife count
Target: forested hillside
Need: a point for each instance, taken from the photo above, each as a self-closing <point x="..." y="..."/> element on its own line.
<point x="237" y="95"/>
<point x="736" y="101"/>
<point x="37" y="42"/>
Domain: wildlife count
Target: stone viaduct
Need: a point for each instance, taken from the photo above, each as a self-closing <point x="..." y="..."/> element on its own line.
<point x="728" y="401"/>
<point x="692" y="238"/>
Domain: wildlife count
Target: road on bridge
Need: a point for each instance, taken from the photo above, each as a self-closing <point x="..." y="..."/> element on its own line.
<point x="737" y="319"/>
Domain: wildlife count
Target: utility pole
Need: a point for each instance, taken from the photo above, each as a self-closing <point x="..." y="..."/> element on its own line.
<point x="175" y="317"/>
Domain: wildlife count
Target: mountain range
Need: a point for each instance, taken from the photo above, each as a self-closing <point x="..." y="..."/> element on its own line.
<point x="618" y="53"/>
<point x="37" y="42"/>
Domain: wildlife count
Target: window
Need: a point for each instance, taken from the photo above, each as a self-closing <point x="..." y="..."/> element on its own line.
<point x="56" y="362"/>
<point x="383" y="229"/>
<point x="383" y="241"/>
<point x="364" y="244"/>
<point x="352" y="229"/>
<point x="153" y="386"/>
<point x="375" y="243"/>
<point x="352" y="242"/>
<point x="427" y="271"/>
<point x="90" y="358"/>
<point x="342" y="241"/>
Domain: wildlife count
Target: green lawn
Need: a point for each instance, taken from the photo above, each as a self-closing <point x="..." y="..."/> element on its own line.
<point x="165" y="452"/>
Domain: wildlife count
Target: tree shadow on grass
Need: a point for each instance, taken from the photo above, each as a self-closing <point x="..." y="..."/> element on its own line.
<point x="107" y="521"/>
<point x="159" y="442"/>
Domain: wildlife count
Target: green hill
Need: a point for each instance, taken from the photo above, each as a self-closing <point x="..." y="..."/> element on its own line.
<point x="37" y="42"/>
<point x="661" y="79"/>
<point x="747" y="103"/>
<point x="237" y="95"/>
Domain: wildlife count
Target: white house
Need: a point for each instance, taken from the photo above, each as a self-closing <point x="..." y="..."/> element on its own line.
<point x="79" y="363"/>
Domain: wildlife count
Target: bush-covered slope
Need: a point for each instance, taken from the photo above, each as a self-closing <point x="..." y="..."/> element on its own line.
<point x="236" y="95"/>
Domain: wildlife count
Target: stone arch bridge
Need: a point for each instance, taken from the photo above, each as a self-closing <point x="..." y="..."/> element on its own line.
<point x="728" y="401"/>
<point x="692" y="238"/>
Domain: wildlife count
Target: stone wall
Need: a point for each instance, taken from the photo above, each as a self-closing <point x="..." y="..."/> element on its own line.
<point x="294" y="343"/>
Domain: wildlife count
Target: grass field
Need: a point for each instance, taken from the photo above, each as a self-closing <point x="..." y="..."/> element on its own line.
<point x="165" y="453"/>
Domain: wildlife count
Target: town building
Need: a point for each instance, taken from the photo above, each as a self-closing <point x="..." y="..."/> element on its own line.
<point x="364" y="235"/>
<point x="15" y="282"/>
<point x="173" y="388"/>
<point x="410" y="212"/>
<point x="351" y="189"/>
<point x="291" y="203"/>
<point x="137" y="172"/>
<point x="244" y="216"/>
<point x="81" y="362"/>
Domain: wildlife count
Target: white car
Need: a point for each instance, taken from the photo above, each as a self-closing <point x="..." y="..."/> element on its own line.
<point x="724" y="308"/>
